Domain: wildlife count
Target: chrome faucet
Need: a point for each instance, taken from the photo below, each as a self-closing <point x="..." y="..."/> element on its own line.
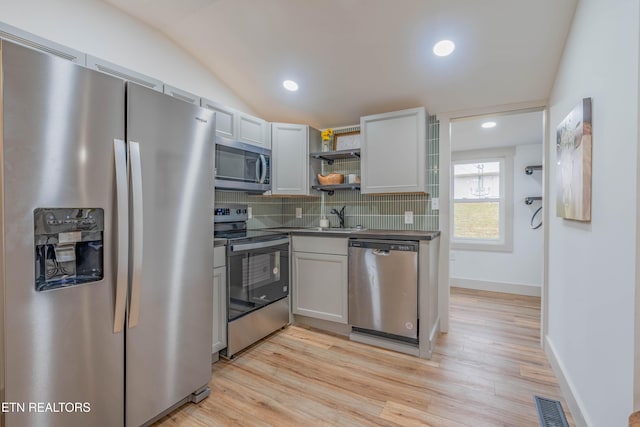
<point x="340" y="214"/>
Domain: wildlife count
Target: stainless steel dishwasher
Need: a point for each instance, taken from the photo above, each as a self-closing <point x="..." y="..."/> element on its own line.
<point x="383" y="288"/>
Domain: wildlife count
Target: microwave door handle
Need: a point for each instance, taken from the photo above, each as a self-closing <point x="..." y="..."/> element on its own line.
<point x="136" y="193"/>
<point x="122" y="236"/>
<point x="258" y="170"/>
<point x="263" y="162"/>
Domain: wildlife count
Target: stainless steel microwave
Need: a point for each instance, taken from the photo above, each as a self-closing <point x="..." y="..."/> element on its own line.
<point x="242" y="167"/>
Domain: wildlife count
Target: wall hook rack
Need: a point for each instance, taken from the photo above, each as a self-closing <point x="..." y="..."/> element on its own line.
<point x="529" y="200"/>
<point x="529" y="169"/>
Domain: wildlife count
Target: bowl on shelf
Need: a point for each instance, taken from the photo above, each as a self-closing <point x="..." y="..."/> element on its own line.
<point x="331" y="179"/>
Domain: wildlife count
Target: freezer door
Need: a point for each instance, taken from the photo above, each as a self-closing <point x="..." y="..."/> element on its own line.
<point x="171" y="146"/>
<point x="383" y="288"/>
<point x="59" y="122"/>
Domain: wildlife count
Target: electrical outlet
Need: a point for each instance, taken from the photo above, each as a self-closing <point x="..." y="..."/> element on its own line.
<point x="250" y="212"/>
<point x="435" y="203"/>
<point x="298" y="212"/>
<point x="408" y="217"/>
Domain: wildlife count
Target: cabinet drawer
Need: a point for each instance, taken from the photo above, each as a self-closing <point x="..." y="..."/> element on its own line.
<point x="321" y="245"/>
<point x="219" y="256"/>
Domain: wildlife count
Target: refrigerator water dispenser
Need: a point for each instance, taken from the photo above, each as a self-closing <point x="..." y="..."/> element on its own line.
<point x="68" y="247"/>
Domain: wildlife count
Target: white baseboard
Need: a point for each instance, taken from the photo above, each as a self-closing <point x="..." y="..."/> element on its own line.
<point x="566" y="386"/>
<point x="508" y="288"/>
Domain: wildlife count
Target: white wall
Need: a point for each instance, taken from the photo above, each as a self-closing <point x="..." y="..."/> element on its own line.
<point x="101" y="30"/>
<point x="592" y="266"/>
<point x="523" y="266"/>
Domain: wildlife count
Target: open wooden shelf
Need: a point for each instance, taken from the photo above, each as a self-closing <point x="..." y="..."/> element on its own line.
<point x="330" y="156"/>
<point x="330" y="189"/>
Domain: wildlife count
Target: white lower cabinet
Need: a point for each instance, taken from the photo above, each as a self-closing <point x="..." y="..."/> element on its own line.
<point x="219" y="303"/>
<point x="320" y="287"/>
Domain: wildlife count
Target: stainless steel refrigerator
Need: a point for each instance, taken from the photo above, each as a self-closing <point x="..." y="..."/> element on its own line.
<point x="105" y="246"/>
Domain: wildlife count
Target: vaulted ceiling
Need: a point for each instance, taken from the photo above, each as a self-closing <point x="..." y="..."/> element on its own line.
<point x="357" y="57"/>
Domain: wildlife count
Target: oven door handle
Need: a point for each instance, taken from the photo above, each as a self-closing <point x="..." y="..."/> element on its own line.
<point x="258" y="245"/>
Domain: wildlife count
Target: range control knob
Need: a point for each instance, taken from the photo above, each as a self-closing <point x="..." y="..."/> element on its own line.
<point x="238" y="211"/>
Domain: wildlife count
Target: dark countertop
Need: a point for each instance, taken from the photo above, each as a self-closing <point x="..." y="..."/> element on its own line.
<point x="218" y="241"/>
<point x="362" y="234"/>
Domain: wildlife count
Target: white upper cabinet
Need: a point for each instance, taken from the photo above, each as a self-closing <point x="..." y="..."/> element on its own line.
<point x="182" y="95"/>
<point x="394" y="152"/>
<point x="24" y="38"/>
<point x="225" y="118"/>
<point x="239" y="126"/>
<point x="292" y="170"/>
<point x="124" y="73"/>
<point x="253" y="130"/>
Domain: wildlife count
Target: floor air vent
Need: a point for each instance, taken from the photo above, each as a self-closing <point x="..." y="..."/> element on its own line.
<point x="550" y="412"/>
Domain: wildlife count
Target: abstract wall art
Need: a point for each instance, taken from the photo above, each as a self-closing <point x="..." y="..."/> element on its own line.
<point x="574" y="148"/>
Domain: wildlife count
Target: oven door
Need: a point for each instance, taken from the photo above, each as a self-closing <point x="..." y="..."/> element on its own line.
<point x="258" y="274"/>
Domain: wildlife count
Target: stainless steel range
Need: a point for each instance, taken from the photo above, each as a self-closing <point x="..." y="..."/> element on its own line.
<point x="257" y="278"/>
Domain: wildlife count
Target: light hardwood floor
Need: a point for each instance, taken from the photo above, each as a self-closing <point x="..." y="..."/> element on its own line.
<point x="484" y="372"/>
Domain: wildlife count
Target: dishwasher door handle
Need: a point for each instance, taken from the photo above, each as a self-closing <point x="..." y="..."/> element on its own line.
<point x="381" y="252"/>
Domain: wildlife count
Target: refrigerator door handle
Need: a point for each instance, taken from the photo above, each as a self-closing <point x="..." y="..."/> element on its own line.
<point x="122" y="201"/>
<point x="137" y="246"/>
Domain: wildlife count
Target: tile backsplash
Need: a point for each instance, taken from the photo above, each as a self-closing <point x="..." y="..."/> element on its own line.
<point x="376" y="212"/>
<point x="266" y="211"/>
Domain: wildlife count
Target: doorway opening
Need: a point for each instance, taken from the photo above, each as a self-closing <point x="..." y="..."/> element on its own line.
<point x="494" y="180"/>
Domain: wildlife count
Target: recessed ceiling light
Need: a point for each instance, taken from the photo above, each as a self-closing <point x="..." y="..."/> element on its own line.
<point x="444" y="48"/>
<point x="488" y="125"/>
<point x="290" y="85"/>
